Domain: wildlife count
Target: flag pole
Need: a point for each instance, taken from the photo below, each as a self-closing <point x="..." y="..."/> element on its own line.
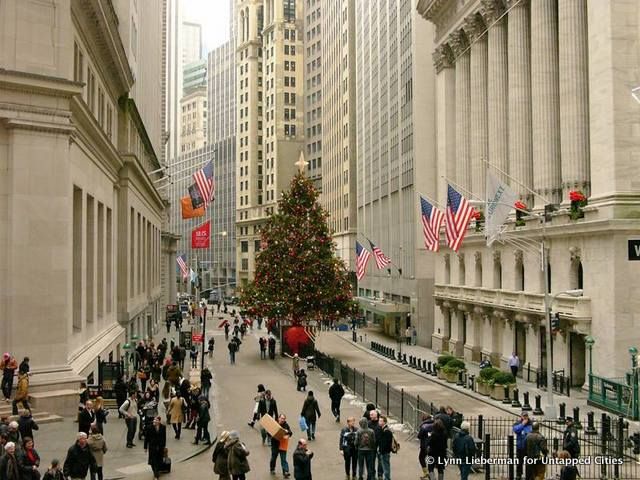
<point x="391" y="261"/>
<point x="431" y="200"/>
<point x="461" y="188"/>
<point x="489" y="164"/>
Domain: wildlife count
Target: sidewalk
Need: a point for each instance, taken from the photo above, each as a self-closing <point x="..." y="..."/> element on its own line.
<point x="578" y="398"/>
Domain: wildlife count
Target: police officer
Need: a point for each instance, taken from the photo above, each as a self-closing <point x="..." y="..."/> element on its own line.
<point x="570" y="441"/>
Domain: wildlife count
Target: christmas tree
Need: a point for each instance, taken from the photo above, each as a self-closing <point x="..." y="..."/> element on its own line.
<point x="298" y="277"/>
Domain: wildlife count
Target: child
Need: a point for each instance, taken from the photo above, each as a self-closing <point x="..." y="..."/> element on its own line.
<point x="302" y="380"/>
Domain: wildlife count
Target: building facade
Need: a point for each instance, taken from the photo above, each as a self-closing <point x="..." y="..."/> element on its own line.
<point x="542" y="90"/>
<point x="191" y="42"/>
<point x="270" y="120"/>
<point x="173" y="77"/>
<point x="77" y="157"/>
<point x="313" y="29"/>
<point x="194" y="125"/>
<point x="394" y="162"/>
<point x="194" y="76"/>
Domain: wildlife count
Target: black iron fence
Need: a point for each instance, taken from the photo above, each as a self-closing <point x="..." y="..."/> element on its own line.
<point x="608" y="451"/>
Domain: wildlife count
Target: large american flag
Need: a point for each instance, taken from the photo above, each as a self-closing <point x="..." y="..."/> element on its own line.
<point x="362" y="259"/>
<point x="182" y="263"/>
<point x="205" y="183"/>
<point x="432" y="219"/>
<point x="459" y="213"/>
<point x="381" y="259"/>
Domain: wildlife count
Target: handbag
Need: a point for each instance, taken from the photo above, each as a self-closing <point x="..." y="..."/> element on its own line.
<point x="303" y="423"/>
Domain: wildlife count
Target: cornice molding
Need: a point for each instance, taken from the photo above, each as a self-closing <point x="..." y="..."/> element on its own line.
<point x="430" y="9"/>
<point x="474" y="27"/>
<point x="40" y="84"/>
<point x="132" y="171"/>
<point x="35" y="126"/>
<point x="443" y="57"/>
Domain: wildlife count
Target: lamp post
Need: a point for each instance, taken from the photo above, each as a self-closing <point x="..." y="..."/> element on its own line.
<point x="589" y="342"/>
<point x="126" y="347"/>
<point x="548" y="302"/>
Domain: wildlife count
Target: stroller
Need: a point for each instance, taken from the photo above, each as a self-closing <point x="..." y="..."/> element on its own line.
<point x="311" y="362"/>
<point x="148" y="412"/>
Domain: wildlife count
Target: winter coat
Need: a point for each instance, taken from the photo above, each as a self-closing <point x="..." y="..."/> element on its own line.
<point x="26" y="426"/>
<point x="302" y="464"/>
<point x="85" y="419"/>
<point x="22" y="390"/>
<point x="384" y="440"/>
<point x="98" y="447"/>
<point x="175" y="410"/>
<point x="438" y="446"/>
<point x="8" y="368"/>
<point x="237" y="461"/>
<point x="155" y="442"/>
<point x="9" y="468"/>
<point x="26" y="464"/>
<point x="348" y="439"/>
<point x="521" y="431"/>
<point x="205" y="378"/>
<point x="464" y="447"/>
<point x="570" y="442"/>
<point x="536" y="446"/>
<point x="78" y="461"/>
<point x="365" y="437"/>
<point x="302" y="380"/>
<point x="271" y="408"/>
<point x="336" y="392"/>
<point x="220" y="459"/>
<point x="424" y="433"/>
<point x="173" y="374"/>
<point x="310" y="409"/>
<point x="53" y="475"/>
<point x="203" y="414"/>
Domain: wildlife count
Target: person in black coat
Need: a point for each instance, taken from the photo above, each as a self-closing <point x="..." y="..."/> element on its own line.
<point x="26" y="424"/>
<point x="336" y="392"/>
<point x="426" y="428"/>
<point x="302" y="461"/>
<point x="155" y="441"/>
<point x="311" y="412"/>
<point x="79" y="458"/>
<point x="86" y="417"/>
<point x="120" y="390"/>
<point x="438" y="448"/>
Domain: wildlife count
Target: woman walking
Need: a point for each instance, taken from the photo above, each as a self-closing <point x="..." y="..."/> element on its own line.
<point x="155" y="441"/>
<point x="98" y="448"/>
<point x="311" y="412"/>
<point x="220" y="458"/>
<point x="29" y="460"/>
<point x="101" y="414"/>
<point x="176" y="413"/>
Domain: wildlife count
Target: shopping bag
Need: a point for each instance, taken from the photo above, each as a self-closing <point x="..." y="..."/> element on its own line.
<point x="303" y="424"/>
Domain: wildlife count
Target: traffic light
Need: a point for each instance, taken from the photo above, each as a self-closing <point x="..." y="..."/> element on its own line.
<point x="555" y="322"/>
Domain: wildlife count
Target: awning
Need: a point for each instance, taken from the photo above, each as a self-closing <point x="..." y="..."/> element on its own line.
<point x="383" y="307"/>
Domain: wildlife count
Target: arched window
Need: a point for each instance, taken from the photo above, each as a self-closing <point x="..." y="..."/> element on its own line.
<point x="577" y="274"/>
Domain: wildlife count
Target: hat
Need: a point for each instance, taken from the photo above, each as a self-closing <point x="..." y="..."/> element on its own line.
<point x="6" y="355"/>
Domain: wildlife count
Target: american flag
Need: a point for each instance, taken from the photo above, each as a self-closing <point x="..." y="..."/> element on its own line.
<point x="362" y="259"/>
<point x="182" y="263"/>
<point x="432" y="219"/>
<point x="459" y="213"/>
<point x="205" y="183"/>
<point x="381" y="259"/>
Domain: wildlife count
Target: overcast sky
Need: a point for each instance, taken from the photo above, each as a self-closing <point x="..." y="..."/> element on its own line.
<point x="214" y="16"/>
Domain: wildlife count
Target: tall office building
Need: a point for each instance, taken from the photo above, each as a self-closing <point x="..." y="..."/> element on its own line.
<point x="395" y="161"/>
<point x="173" y="73"/>
<point x="193" y="108"/>
<point x="194" y="75"/>
<point x="337" y="113"/>
<point x="313" y="89"/>
<point x="222" y="137"/>
<point x="557" y="77"/>
<point x="270" y="136"/>
<point x="191" y="42"/>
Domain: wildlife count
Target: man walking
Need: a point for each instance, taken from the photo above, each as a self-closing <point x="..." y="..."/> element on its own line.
<point x="348" y="448"/>
<point x="263" y="348"/>
<point x="279" y="448"/>
<point x="130" y="411"/>
<point x="302" y="461"/>
<point x="267" y="405"/>
<point x="385" y="442"/>
<point x="8" y="365"/>
<point x="79" y="459"/>
<point x="464" y="449"/>
<point x="536" y="451"/>
<point x="233" y="348"/>
<point x="336" y="392"/>
<point x="514" y="364"/>
<point x="570" y="441"/>
<point x="521" y="429"/>
<point x="366" y="446"/>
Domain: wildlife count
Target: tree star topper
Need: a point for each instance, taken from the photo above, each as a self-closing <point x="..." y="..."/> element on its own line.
<point x="301" y="163"/>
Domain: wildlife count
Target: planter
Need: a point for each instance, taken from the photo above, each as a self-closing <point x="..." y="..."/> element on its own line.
<point x="483" y="389"/>
<point x="440" y="374"/>
<point x="497" y="391"/>
<point x="450" y="377"/>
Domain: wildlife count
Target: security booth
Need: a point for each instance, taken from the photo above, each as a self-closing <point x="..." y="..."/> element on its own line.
<point x="108" y="373"/>
<point x="186" y="339"/>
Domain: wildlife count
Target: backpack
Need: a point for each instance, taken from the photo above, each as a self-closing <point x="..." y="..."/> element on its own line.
<point x="349" y="440"/>
<point x="395" y="445"/>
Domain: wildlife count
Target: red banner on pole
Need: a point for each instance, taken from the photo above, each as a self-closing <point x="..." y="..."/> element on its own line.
<point x="201" y="236"/>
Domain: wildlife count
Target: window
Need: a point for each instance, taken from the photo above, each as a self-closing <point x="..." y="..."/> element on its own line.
<point x="245" y="264"/>
<point x="109" y="126"/>
<point x="101" y="107"/>
<point x="91" y="90"/>
<point x="289" y="10"/>
<point x="78" y="63"/>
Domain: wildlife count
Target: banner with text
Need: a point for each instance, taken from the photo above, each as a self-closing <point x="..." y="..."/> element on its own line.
<point x="200" y="237"/>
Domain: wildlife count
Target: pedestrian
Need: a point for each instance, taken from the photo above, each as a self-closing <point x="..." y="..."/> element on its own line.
<point x="211" y="346"/>
<point x="384" y="444"/>
<point x="521" y="429"/>
<point x="175" y="413"/>
<point x="414" y="336"/>
<point x="98" y="447"/>
<point x="129" y="409"/>
<point x="120" y="390"/>
<point x="233" y="348"/>
<point x="220" y="457"/>
<point x="168" y="324"/>
<point x="446" y="420"/>
<point x="456" y="417"/>
<point x="279" y="448"/>
<point x="311" y="412"/>
<point x="193" y="354"/>
<point x="28" y="460"/>
<point x="267" y="406"/>
<point x="153" y="389"/>
<point x="514" y="364"/>
<point x="438" y="448"/>
<point x="144" y="373"/>
<point x="237" y="461"/>
<point x="86" y="418"/>
<point x="9" y="467"/>
<point x="24" y="366"/>
<point x="22" y="394"/>
<point x="302" y="381"/>
<point x="348" y="448"/>
<point x="568" y="471"/>
<point x="205" y="381"/>
<point x="155" y="442"/>
<point x="464" y="449"/>
<point x="8" y="365"/>
<point x="79" y="459"/>
<point x="54" y="472"/>
<point x="536" y="451"/>
<point x="226" y="331"/>
<point x="424" y="432"/>
<point x="374" y="424"/>
<point x="272" y="347"/>
<point x="570" y="440"/>
<point x="256" y="404"/>
<point x="263" y="348"/>
<point x="336" y="392"/>
<point x="202" y="431"/>
<point x="295" y="364"/>
<point x="407" y="336"/>
<point x="302" y="461"/>
<point x="26" y="424"/>
<point x="13" y="433"/>
<point x="367" y="411"/>
<point x="366" y="447"/>
<point x="174" y="373"/>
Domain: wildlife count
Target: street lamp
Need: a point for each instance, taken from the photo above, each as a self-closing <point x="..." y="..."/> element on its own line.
<point x="589" y="342"/>
<point x="548" y="302"/>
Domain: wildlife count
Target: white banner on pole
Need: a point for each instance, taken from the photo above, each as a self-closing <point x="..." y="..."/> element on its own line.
<point x="499" y="203"/>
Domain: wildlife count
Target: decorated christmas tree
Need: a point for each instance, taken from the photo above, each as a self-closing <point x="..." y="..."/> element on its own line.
<point x="298" y="277"/>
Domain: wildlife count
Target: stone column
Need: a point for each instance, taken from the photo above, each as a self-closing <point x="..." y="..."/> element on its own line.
<point x="574" y="95"/>
<point x="547" y="176"/>
<point x="473" y="345"/>
<point x="498" y="84"/>
<point x="459" y="44"/>
<point x="475" y="29"/>
<point x="456" y="342"/>
<point x="519" y="101"/>
<point x="508" y="341"/>
<point x="445" y="114"/>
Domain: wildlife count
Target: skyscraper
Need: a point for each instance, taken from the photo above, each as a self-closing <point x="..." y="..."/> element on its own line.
<point x="191" y="42"/>
<point x="313" y="30"/>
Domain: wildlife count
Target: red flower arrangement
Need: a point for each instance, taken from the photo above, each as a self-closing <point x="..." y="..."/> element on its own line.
<point x="576" y="196"/>
<point x="520" y="206"/>
<point x="578" y="202"/>
<point x="476" y="215"/>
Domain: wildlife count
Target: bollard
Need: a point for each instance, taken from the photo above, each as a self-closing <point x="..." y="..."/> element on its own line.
<point x="516" y="399"/>
<point x="429" y="367"/>
<point x="424" y="366"/>
<point x="465" y="376"/>
<point x="563" y="410"/>
<point x="538" y="409"/>
<point x="511" y="455"/>
<point x="459" y="382"/>
<point x="399" y="359"/>
<point x="526" y="406"/>
<point x="556" y="444"/>
<point x="404" y="359"/>
<point x="506" y="400"/>
<point x="576" y="418"/>
<point x="591" y="428"/>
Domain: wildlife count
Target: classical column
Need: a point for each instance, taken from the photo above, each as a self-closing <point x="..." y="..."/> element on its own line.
<point x="475" y="29"/>
<point x="459" y="44"/>
<point x="574" y="95"/>
<point x="445" y="114"/>
<point x="547" y="176"/>
<point x="519" y="101"/>
<point x="498" y="84"/>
